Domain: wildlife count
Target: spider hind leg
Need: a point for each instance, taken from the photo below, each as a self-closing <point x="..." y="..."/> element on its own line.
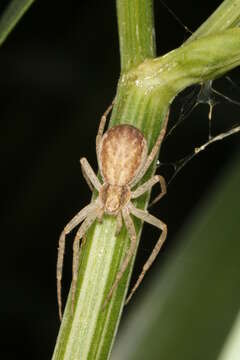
<point x="145" y="216"/>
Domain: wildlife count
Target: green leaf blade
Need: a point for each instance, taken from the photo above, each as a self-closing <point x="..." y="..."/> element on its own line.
<point x="11" y="16"/>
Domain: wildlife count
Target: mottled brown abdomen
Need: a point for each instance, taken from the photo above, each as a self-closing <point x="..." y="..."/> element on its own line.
<point x="122" y="154"/>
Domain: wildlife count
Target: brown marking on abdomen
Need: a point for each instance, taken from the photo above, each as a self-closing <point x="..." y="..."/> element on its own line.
<point x="122" y="153"/>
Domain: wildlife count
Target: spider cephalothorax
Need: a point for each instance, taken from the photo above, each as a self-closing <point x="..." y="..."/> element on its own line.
<point x="114" y="197"/>
<point x="123" y="161"/>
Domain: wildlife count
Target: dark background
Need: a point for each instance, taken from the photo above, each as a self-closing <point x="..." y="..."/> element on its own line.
<point x="59" y="70"/>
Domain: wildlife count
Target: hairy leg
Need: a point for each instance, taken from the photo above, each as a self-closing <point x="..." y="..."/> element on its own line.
<point x="101" y="127"/>
<point x="89" y="174"/>
<point x="61" y="247"/>
<point x="119" y="223"/>
<point x="86" y="178"/>
<point x="148" y="185"/>
<point x="154" y="151"/>
<point x="90" y="179"/>
<point x="132" y="234"/>
<point x="143" y="215"/>
<point x="76" y="251"/>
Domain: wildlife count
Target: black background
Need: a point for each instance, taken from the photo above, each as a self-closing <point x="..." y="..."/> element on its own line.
<point x="58" y="72"/>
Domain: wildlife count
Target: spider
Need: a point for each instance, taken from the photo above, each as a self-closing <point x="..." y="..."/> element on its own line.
<point x="123" y="161"/>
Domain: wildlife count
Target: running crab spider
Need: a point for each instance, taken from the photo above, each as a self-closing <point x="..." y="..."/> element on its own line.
<point x="123" y="161"/>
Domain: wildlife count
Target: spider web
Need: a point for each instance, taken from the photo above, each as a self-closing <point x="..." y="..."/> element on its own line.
<point x="205" y="95"/>
<point x="173" y="14"/>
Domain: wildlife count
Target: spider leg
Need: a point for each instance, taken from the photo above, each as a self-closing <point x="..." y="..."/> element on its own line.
<point x="143" y="215"/>
<point x="84" y="239"/>
<point x="132" y="233"/>
<point x="119" y="223"/>
<point x="89" y="175"/>
<point x="154" y="151"/>
<point x="83" y="242"/>
<point x="61" y="248"/>
<point x="76" y="251"/>
<point x="101" y="127"/>
<point x="86" y="178"/>
<point x="148" y="185"/>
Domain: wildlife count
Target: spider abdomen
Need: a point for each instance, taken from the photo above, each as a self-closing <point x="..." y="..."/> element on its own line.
<point x="122" y="153"/>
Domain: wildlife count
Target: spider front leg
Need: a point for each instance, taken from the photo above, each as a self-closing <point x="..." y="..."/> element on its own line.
<point x="86" y="177"/>
<point x="133" y="238"/>
<point x="145" y="216"/>
<point x="89" y="175"/>
<point x="119" y="224"/>
<point x="148" y="185"/>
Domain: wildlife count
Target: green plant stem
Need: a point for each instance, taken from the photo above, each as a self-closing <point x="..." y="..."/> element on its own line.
<point x="199" y="61"/>
<point x="146" y="88"/>
<point x="13" y="13"/>
<point x="90" y="333"/>
<point x="226" y="16"/>
<point x="136" y="32"/>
